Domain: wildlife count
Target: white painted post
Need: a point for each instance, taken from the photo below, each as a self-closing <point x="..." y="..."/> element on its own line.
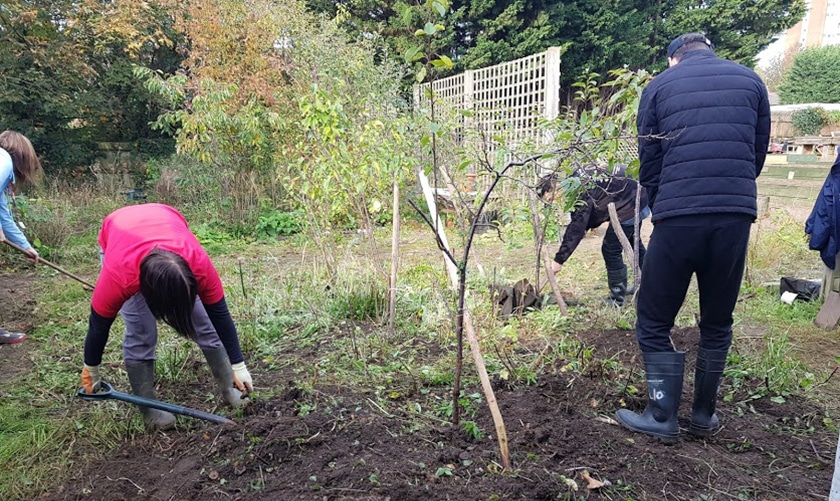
<point x="469" y="89"/>
<point x="835" y="483"/>
<point x="552" y="82"/>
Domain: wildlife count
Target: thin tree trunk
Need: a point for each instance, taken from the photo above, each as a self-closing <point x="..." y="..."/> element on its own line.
<point x="464" y="323"/>
<point x="542" y="256"/>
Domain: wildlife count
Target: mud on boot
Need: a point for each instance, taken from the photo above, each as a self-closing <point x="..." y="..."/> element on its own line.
<point x="710" y="365"/>
<point x="141" y="376"/>
<point x="219" y="363"/>
<point x="664" y="376"/>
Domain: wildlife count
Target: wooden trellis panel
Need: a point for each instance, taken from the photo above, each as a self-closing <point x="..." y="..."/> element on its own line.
<point x="506" y="100"/>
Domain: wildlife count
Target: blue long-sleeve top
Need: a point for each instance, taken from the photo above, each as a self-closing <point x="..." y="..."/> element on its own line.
<point x="7" y="222"/>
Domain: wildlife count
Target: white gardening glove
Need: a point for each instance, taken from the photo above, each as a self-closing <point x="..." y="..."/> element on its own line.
<point x="91" y="379"/>
<point x="242" y="378"/>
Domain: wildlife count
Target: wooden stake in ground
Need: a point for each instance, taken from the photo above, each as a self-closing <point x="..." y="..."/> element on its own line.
<point x="452" y="271"/>
<point x="834" y="495"/>
<point x="637" y="237"/>
<point x="395" y="259"/>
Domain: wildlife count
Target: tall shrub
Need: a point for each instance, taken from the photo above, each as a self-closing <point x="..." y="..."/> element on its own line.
<point x="813" y="77"/>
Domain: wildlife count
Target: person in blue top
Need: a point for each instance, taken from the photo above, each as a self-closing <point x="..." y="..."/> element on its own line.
<point x="18" y="165"/>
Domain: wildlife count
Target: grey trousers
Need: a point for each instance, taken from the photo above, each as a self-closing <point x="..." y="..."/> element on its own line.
<point x="141" y="332"/>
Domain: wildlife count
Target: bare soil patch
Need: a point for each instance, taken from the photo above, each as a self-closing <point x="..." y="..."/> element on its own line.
<point x="335" y="443"/>
<point x="17" y="302"/>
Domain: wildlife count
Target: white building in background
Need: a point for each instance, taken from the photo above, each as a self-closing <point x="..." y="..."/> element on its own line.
<point x="820" y="27"/>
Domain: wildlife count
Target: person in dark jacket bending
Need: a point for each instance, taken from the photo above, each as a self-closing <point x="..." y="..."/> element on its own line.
<point x="704" y="128"/>
<point x="592" y="212"/>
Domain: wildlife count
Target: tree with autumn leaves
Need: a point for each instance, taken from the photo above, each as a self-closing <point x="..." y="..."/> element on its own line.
<point x="67" y="78"/>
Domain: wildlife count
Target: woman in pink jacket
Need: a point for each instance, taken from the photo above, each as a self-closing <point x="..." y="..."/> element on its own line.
<point x="153" y="268"/>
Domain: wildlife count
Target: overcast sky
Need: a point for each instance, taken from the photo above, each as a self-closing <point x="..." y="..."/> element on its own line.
<point x="774" y="49"/>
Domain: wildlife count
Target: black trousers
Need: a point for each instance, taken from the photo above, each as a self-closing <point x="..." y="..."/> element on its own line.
<point x="712" y="246"/>
<point x="611" y="248"/>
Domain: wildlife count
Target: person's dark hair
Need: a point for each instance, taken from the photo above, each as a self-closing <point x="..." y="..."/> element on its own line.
<point x="690" y="47"/>
<point x="170" y="288"/>
<point x="546" y="184"/>
<point x="687" y="43"/>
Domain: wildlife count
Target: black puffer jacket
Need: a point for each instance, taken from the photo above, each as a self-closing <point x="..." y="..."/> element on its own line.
<point x="593" y="212"/>
<point x="705" y="124"/>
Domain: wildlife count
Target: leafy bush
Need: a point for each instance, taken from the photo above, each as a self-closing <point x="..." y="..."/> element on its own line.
<point x="47" y="230"/>
<point x="813" y="77"/>
<point x="810" y="121"/>
<point x="275" y="224"/>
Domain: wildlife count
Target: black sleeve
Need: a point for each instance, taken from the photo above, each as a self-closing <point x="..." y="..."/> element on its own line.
<point x="650" y="145"/>
<point x="97" y="337"/>
<point x="223" y="323"/>
<point x="574" y="232"/>
<point x="762" y="131"/>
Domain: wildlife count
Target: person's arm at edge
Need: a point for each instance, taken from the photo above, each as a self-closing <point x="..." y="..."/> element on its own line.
<point x="574" y="233"/>
<point x="7" y="221"/>
<point x="650" y="147"/>
<point x="99" y="328"/>
<point x="762" y="131"/>
<point x="219" y="315"/>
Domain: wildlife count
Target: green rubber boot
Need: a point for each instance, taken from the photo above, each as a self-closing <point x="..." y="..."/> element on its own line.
<point x="142" y="378"/>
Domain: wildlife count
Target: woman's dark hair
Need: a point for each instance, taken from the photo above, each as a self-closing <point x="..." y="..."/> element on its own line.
<point x="546" y="184"/>
<point x="170" y="288"/>
<point x="25" y="162"/>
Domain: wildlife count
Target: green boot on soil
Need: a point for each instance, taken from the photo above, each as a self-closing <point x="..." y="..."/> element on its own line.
<point x="710" y="364"/>
<point x="219" y="363"/>
<point x="664" y="375"/>
<point x="142" y="378"/>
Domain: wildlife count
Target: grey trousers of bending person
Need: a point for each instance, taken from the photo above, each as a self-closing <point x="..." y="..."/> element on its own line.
<point x="141" y="331"/>
<point x="713" y="246"/>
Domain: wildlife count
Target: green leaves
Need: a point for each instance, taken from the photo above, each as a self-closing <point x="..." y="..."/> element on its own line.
<point x="443" y="62"/>
<point x="813" y="77"/>
<point x="413" y="54"/>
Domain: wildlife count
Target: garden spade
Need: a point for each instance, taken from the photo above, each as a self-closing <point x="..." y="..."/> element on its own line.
<point x="108" y="392"/>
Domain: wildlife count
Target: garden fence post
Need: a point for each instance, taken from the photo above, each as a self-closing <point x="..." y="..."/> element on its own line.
<point x="552" y="82"/>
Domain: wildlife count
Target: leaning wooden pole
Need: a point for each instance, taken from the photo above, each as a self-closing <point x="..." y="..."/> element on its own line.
<point x="475" y="349"/>
<point x="616" y="226"/>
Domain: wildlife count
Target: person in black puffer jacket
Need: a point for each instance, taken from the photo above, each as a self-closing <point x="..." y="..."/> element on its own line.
<point x="601" y="189"/>
<point x="704" y="129"/>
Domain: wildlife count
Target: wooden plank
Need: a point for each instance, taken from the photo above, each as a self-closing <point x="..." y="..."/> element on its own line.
<point x="830" y="312"/>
